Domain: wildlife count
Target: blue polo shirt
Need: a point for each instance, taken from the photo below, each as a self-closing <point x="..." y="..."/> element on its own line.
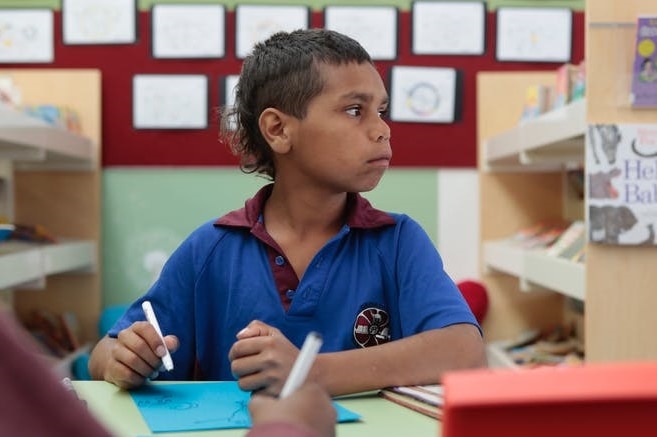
<point x="379" y="279"/>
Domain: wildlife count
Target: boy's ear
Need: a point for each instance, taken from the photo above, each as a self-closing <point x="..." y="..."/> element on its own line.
<point x="273" y="126"/>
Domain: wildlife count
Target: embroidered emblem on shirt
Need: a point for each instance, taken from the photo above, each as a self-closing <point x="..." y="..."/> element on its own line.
<point x="371" y="327"/>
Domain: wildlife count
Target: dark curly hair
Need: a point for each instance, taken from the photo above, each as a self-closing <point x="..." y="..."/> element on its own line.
<point x="283" y="73"/>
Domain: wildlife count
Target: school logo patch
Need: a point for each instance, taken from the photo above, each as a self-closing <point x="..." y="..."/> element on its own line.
<point x="372" y="327"/>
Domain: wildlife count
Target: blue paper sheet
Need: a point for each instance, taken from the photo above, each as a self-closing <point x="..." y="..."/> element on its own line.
<point x="201" y="406"/>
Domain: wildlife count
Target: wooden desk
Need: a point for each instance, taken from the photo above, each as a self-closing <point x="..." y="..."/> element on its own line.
<point x="381" y="418"/>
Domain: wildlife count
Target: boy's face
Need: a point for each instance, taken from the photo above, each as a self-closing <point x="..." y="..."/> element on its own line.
<point x="343" y="144"/>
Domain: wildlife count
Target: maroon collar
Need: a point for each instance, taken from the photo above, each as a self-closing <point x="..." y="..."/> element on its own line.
<point x="361" y="214"/>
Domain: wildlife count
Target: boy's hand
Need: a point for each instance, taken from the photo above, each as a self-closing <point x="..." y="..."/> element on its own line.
<point x="310" y="407"/>
<point x="136" y="354"/>
<point x="262" y="358"/>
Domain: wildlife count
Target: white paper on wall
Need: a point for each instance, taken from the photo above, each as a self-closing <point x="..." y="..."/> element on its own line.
<point x="26" y="35"/>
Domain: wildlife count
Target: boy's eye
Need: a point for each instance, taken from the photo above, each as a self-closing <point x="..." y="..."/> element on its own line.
<point x="383" y="112"/>
<point x="354" y="111"/>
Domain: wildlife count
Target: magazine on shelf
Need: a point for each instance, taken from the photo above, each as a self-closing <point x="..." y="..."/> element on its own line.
<point x="644" y="71"/>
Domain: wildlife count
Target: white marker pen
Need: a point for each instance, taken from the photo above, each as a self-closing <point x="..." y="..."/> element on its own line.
<point x="150" y="316"/>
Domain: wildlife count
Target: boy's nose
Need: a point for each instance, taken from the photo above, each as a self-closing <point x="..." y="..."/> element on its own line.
<point x="383" y="138"/>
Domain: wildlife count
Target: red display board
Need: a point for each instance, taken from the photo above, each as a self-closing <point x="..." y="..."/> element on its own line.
<point x="414" y="144"/>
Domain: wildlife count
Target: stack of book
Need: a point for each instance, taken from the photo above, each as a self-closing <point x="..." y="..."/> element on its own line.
<point x="425" y="399"/>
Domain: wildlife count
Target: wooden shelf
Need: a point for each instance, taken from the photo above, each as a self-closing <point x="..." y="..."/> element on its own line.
<point x="22" y="263"/>
<point x="33" y="143"/>
<point x="549" y="142"/>
<point x="534" y="268"/>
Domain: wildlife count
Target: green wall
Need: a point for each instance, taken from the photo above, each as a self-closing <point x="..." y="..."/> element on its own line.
<point x="148" y="212"/>
<point x="316" y="4"/>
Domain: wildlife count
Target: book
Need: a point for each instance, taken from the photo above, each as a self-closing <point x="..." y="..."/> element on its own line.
<point x="425" y="399"/>
<point x="538" y="235"/>
<point x="570" y="241"/>
<point x="431" y="394"/>
<point x="575" y="250"/>
<point x="644" y="71"/>
<point x="545" y="238"/>
<point x="537" y="101"/>
<point x="621" y="205"/>
<point x="580" y="255"/>
<point x="564" y="83"/>
<point x="578" y="82"/>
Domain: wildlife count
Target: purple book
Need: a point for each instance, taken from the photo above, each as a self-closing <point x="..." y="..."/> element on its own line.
<point x="644" y="72"/>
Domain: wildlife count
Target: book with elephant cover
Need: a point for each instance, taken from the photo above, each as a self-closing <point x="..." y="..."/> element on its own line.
<point x="621" y="172"/>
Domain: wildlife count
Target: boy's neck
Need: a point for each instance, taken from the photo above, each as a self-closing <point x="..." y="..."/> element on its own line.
<point x="304" y="210"/>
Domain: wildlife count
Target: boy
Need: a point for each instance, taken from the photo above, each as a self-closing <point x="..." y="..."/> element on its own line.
<point x="307" y="252"/>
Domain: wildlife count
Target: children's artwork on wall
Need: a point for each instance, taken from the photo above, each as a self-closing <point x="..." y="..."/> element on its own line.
<point x="169" y="101"/>
<point x="529" y="34"/>
<point x="227" y="97"/>
<point x="26" y="36"/>
<point x="424" y="94"/>
<point x="99" y="21"/>
<point x="254" y="23"/>
<point x="416" y="142"/>
<point x="621" y="171"/>
<point x="374" y="27"/>
<point x="448" y="27"/>
<point x="188" y="31"/>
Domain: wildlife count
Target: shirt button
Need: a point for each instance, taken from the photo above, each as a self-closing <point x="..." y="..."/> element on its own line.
<point x="290" y="293"/>
<point x="279" y="260"/>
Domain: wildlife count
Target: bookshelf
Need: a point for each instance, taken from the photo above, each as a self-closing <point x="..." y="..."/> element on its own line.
<point x="545" y="143"/>
<point x="517" y="192"/>
<point x="534" y="268"/>
<point x="522" y="181"/>
<point x="551" y="142"/>
<point x="51" y="177"/>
